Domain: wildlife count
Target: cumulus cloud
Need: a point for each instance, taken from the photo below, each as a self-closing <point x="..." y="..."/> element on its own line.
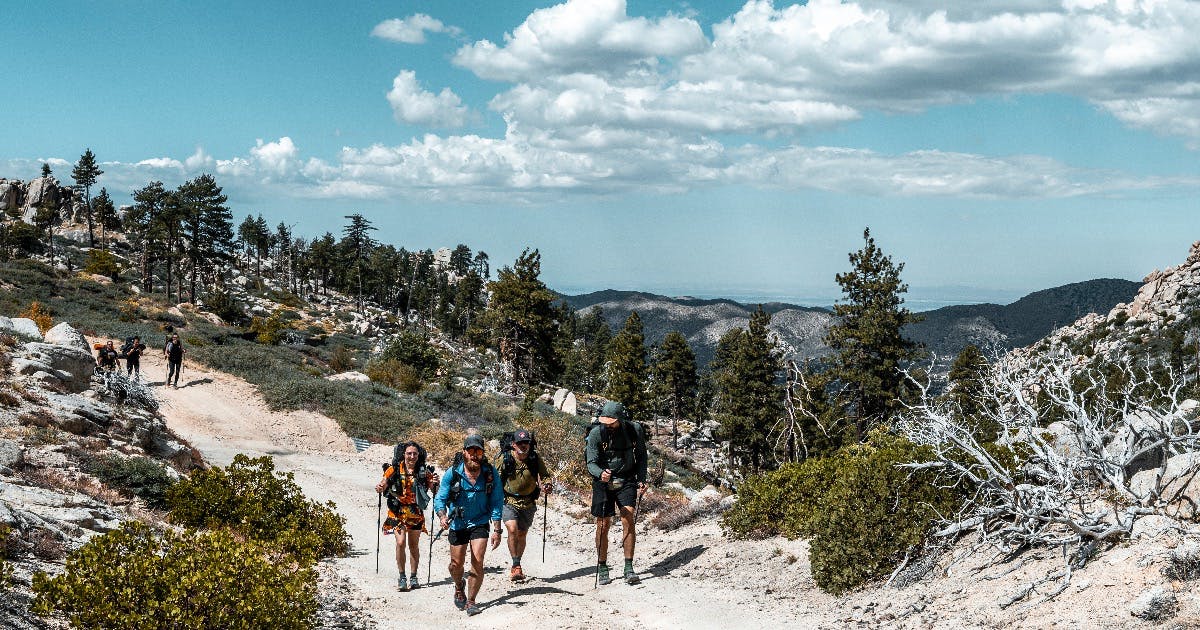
<point x="277" y="158"/>
<point x="412" y="29"/>
<point x="412" y="104"/>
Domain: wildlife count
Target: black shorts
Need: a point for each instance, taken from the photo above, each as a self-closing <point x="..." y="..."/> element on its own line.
<point x="604" y="497"/>
<point x="464" y="536"/>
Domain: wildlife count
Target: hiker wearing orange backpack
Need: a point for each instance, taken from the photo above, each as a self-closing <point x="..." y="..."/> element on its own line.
<point x="407" y="484"/>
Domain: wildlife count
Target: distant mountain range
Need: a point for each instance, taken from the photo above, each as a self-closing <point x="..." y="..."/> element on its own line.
<point x="801" y="329"/>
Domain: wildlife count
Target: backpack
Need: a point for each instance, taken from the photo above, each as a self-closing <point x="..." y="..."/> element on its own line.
<point x="533" y="461"/>
<point x="633" y="432"/>
<point x="456" y="490"/>
<point x="422" y="473"/>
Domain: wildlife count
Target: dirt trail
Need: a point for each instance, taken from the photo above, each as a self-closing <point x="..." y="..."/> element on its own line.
<point x="222" y="415"/>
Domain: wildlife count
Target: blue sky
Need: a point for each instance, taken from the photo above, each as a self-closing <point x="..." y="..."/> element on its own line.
<point x="702" y="148"/>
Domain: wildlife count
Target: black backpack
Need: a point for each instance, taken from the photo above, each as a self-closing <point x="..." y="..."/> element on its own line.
<point x="489" y="478"/>
<point x="423" y="472"/>
<point x="533" y="461"/>
<point x="633" y="431"/>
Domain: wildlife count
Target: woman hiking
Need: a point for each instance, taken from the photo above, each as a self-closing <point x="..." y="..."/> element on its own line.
<point x="407" y="484"/>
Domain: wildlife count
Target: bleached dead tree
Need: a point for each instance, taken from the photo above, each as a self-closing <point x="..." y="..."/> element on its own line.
<point x="1111" y="457"/>
<point x="800" y="409"/>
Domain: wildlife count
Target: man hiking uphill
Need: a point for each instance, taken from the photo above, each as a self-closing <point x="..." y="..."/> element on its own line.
<point x="133" y="356"/>
<point x="616" y="459"/>
<point x="106" y="358"/>
<point x="525" y="477"/>
<point x="407" y="484"/>
<point x="174" y="355"/>
<point x="468" y="498"/>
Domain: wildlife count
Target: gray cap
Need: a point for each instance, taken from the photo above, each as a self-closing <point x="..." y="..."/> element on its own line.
<point x="473" y="441"/>
<point x="614" y="409"/>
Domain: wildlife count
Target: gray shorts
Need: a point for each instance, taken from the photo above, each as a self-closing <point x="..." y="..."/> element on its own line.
<point x="524" y="518"/>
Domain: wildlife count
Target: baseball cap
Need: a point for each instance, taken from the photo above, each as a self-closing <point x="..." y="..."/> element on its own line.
<point x="522" y="436"/>
<point x="614" y="409"/>
<point x="473" y="441"/>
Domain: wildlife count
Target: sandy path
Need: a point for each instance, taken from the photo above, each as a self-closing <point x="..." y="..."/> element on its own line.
<point x="222" y="415"/>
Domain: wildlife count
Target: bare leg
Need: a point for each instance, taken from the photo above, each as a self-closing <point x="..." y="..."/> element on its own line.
<point x="399" y="534"/>
<point x="629" y="540"/>
<point x="478" y="547"/>
<point x="458" y="553"/>
<point x="602" y="525"/>
<point x="414" y="551"/>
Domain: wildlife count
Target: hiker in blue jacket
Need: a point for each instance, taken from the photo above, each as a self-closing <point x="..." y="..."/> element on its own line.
<point x="469" y="497"/>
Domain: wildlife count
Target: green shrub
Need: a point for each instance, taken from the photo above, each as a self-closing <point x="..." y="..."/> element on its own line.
<point x="102" y="262"/>
<point x="140" y="476"/>
<point x="341" y="359"/>
<point x="873" y="511"/>
<point x="250" y="498"/>
<point x="223" y="305"/>
<point x="270" y="329"/>
<point x="399" y="376"/>
<point x="135" y="577"/>
<point x="413" y="349"/>
<point x="8" y="546"/>
<point x="781" y="502"/>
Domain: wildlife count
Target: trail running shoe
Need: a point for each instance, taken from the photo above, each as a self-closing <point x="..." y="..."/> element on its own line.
<point x="602" y="575"/>
<point x="631" y="578"/>
<point x="412" y="581"/>
<point x="460" y="599"/>
<point x="472" y="609"/>
<point x="517" y="575"/>
<point x="402" y="583"/>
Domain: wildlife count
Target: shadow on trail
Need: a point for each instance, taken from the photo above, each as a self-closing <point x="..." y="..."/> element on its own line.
<point x="199" y="381"/>
<point x="677" y="560"/>
<point x="580" y="572"/>
<point x="518" y="592"/>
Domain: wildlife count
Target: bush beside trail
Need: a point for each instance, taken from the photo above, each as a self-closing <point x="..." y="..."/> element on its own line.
<point x="137" y="577"/>
<point x="861" y="510"/>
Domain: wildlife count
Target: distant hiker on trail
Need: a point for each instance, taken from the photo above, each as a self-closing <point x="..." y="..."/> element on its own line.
<point x="616" y="459"/>
<point x="468" y="498"/>
<point x="106" y="358"/>
<point x="524" y="477"/>
<point x="407" y="484"/>
<point x="133" y="355"/>
<point x="174" y="354"/>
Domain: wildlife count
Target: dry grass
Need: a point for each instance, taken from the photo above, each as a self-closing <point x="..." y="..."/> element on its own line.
<point x="28" y="395"/>
<point x="36" y="418"/>
<point x="8" y="399"/>
<point x="440" y="443"/>
<point x="561" y="447"/>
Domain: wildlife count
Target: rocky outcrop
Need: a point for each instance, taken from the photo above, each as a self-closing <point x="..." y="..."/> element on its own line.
<point x="43" y="191"/>
<point x="64" y="334"/>
<point x="12" y="193"/>
<point x="71" y="366"/>
<point x="21" y="326"/>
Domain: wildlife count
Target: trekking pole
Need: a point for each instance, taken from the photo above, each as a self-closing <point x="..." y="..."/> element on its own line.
<point x="378" y="524"/>
<point x="429" y="558"/>
<point x="545" y="506"/>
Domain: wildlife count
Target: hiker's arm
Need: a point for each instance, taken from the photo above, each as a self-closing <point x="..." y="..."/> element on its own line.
<point x="641" y="456"/>
<point x="544" y="476"/>
<point x="496" y="501"/>
<point x="592" y="454"/>
<point x="379" y="487"/>
<point x="439" y="500"/>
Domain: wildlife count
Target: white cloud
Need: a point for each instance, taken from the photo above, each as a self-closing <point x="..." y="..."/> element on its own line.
<point x="278" y="158"/>
<point x="412" y="29"/>
<point x="581" y="35"/>
<point x="411" y="104"/>
<point x="198" y="160"/>
<point x="161" y="162"/>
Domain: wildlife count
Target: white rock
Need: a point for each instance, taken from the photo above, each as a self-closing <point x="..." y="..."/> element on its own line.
<point x="559" y="395"/>
<point x="352" y="375"/>
<point x="64" y="334"/>
<point x="570" y="404"/>
<point x="1157" y="603"/>
<point x="25" y="326"/>
<point x="78" y="363"/>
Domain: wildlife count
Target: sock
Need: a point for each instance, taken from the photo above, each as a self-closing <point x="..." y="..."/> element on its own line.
<point x="516" y="561"/>
<point x="628" y="564"/>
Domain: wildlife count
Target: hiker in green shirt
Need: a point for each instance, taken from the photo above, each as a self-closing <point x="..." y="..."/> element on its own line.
<point x="616" y="459"/>
<point x="525" y="477"/>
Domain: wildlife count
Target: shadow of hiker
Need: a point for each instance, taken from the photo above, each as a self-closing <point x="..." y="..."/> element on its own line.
<point x="676" y="560"/>
<point x="570" y="575"/>
<point x="533" y="590"/>
<point x="199" y="381"/>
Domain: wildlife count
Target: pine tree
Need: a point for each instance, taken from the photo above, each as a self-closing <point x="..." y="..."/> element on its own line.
<point x="106" y="215"/>
<point x="675" y="380"/>
<point x="358" y="243"/>
<point x="966" y="392"/>
<point x="208" y="225"/>
<point x="520" y="321"/>
<point x="627" y="369"/>
<point x="143" y="226"/>
<point x="867" y="340"/>
<point x="748" y="400"/>
<point x="85" y="174"/>
<point x="322" y="259"/>
<point x="46" y="172"/>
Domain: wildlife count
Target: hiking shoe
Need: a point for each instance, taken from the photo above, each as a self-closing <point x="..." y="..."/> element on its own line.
<point x="602" y="576"/>
<point x="517" y="575"/>
<point x="460" y="599"/>
<point x="412" y="581"/>
<point x="631" y="578"/>
<point x="472" y="609"/>
<point x="402" y="583"/>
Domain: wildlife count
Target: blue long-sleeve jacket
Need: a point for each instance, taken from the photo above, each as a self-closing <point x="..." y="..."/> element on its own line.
<point x="478" y="507"/>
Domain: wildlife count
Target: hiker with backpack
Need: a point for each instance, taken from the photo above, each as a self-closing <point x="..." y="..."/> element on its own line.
<point x="469" y="503"/>
<point x="174" y="355"/>
<point x="524" y="477"/>
<point x="616" y="459"/>
<point x="106" y="358"/>
<point x="407" y="484"/>
<point x="132" y="352"/>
